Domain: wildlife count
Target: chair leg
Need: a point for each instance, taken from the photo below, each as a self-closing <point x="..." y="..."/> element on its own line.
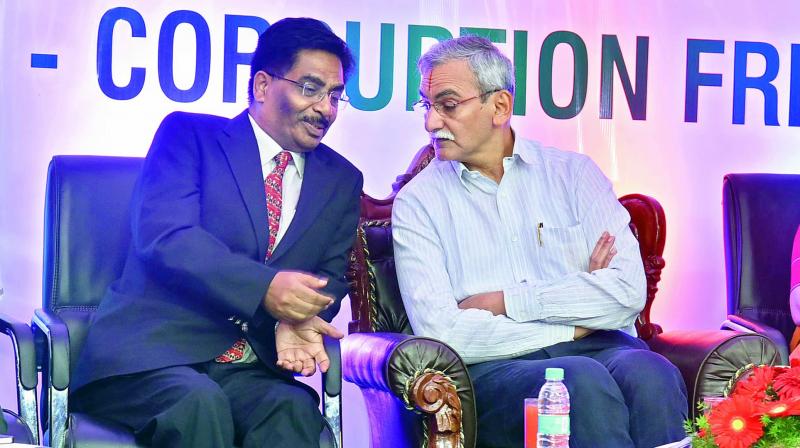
<point x="332" y="390"/>
<point x="332" y="409"/>
<point x="58" y="417"/>
<point x="27" y="410"/>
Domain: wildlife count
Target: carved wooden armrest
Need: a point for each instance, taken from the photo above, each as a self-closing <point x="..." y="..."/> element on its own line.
<point x="423" y="375"/>
<point x="435" y="395"/>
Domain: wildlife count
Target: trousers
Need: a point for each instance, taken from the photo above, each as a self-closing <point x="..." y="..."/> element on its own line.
<point x="207" y="405"/>
<point x="621" y="393"/>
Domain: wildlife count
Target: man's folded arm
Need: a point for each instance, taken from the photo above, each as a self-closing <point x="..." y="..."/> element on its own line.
<point x="608" y="298"/>
<point x="477" y="335"/>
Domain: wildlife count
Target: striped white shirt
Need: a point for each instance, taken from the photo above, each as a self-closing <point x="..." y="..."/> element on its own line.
<point x="458" y="233"/>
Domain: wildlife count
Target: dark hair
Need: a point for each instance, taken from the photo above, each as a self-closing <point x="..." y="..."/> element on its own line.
<point x="278" y="46"/>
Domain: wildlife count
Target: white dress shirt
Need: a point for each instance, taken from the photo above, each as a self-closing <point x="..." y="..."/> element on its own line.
<point x="292" y="177"/>
<point x="458" y="233"/>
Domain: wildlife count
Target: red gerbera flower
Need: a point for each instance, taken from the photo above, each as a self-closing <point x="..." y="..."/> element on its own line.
<point x="755" y="385"/>
<point x="783" y="407"/>
<point x="787" y="383"/>
<point x="736" y="422"/>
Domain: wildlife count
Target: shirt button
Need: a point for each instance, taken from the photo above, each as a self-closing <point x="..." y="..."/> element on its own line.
<point x="515" y="238"/>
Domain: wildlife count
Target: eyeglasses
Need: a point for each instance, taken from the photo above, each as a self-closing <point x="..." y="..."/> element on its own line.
<point x="315" y="93"/>
<point x="446" y="108"/>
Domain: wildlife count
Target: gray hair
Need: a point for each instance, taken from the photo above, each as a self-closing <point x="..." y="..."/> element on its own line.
<point x="491" y="68"/>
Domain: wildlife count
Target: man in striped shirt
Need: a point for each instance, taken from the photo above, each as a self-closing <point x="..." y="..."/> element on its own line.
<point x="520" y="258"/>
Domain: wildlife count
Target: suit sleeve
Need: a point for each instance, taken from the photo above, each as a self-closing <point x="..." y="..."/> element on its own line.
<point x="335" y="258"/>
<point x="168" y="237"/>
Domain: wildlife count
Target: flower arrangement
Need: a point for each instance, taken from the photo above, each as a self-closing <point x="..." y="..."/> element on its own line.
<point x="762" y="410"/>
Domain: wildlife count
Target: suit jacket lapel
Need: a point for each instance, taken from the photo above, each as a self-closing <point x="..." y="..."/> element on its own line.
<point x="241" y="149"/>
<point x="318" y="187"/>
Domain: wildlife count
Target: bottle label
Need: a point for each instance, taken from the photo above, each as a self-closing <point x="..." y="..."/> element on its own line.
<point x="553" y="424"/>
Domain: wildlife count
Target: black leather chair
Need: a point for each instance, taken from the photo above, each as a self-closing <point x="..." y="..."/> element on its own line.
<point x="23" y="424"/>
<point x="417" y="390"/>
<point x="86" y="239"/>
<point x="761" y="213"/>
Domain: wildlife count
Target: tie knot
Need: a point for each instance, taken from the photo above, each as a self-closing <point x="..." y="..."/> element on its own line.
<point x="282" y="160"/>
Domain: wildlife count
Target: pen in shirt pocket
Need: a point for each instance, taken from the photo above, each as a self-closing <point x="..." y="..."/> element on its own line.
<point x="539" y="233"/>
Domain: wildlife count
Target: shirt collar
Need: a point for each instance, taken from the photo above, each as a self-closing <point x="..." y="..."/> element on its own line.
<point x="526" y="150"/>
<point x="523" y="150"/>
<point x="269" y="148"/>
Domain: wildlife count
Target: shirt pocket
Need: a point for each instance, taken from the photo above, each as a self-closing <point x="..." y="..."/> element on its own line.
<point x="563" y="250"/>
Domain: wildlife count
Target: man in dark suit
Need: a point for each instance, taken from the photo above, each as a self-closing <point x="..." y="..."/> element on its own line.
<point x="240" y="233"/>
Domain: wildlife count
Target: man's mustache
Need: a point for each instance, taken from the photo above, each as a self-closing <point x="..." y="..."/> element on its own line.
<point x="442" y="134"/>
<point x="318" y="121"/>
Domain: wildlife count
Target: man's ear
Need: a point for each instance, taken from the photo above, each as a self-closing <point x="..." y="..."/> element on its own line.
<point x="503" y="107"/>
<point x="261" y="82"/>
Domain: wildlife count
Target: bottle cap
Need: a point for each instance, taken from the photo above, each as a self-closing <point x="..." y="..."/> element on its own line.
<point x="554" y="374"/>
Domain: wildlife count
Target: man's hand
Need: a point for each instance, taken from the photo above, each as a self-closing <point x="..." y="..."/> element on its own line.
<point x="489" y="301"/>
<point x="295" y="297"/>
<point x="603" y="252"/>
<point x="581" y="332"/>
<point x="300" y="348"/>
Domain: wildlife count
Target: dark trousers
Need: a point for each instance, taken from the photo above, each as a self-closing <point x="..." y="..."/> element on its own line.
<point x="621" y="393"/>
<point x="208" y="405"/>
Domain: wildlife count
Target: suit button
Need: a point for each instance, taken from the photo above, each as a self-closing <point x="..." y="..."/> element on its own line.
<point x="245" y="327"/>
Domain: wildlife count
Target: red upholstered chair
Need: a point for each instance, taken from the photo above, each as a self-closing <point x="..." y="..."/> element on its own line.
<point x="417" y="390"/>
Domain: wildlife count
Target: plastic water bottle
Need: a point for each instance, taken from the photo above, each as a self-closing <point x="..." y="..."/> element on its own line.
<point x="553" y="429"/>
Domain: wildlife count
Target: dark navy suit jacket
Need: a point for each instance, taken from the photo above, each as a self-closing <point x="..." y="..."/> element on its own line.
<point x="199" y="237"/>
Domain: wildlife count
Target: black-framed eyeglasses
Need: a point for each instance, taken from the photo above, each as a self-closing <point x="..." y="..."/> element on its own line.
<point x="315" y="93"/>
<point x="447" y="107"/>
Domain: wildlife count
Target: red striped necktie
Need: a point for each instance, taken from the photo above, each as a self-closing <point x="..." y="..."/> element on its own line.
<point x="273" y="187"/>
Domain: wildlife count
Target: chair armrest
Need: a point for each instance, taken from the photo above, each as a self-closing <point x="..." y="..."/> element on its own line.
<point x="387" y="361"/>
<point x="57" y="338"/>
<point x="422" y="374"/>
<point x="332" y="379"/>
<point x="743" y="324"/>
<point x="24" y="349"/>
<point x="26" y="372"/>
<point x="332" y="389"/>
<point x="55" y="390"/>
<point x="709" y="359"/>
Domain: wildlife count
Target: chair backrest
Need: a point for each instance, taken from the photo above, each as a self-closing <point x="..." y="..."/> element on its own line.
<point x="761" y="213"/>
<point x="375" y="299"/>
<point x="86" y="235"/>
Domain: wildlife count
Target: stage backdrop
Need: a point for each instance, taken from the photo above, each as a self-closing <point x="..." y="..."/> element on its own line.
<point x="666" y="96"/>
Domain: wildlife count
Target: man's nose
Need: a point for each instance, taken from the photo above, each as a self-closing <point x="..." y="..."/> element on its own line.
<point x="324" y="107"/>
<point x="433" y="121"/>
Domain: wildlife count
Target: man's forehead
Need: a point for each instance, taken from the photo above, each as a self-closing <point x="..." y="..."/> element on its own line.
<point x="450" y="78"/>
<point x="317" y="66"/>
